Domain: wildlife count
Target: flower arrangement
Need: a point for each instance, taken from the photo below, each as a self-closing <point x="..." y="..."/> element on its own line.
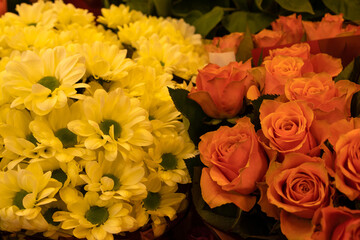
<point x="91" y="144"/>
<point x="278" y="141"/>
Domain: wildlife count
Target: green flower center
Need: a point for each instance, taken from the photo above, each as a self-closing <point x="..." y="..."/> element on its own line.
<point x="31" y="139"/>
<point x="48" y="216"/>
<point x="116" y="181"/>
<point x="162" y="63"/>
<point x="59" y="175"/>
<point x="152" y="201"/>
<point x="97" y="215"/>
<point x="32" y="24"/>
<point x="107" y="123"/>
<point x="49" y="82"/>
<point x="67" y="138"/>
<point x="169" y="161"/>
<point x="18" y="199"/>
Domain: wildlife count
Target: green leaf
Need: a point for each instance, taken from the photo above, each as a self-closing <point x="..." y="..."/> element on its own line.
<point x="245" y="47"/>
<point x="346" y="72"/>
<point x="255" y="115"/>
<point x="191" y="110"/>
<point x="192" y="16"/>
<point x="266" y="5"/>
<point x="241" y="4"/>
<point x="296" y="5"/>
<point x="208" y="21"/>
<point x="238" y="21"/>
<point x="350" y="8"/>
<point x="162" y="7"/>
<point x="145" y="6"/>
<point x="192" y="163"/>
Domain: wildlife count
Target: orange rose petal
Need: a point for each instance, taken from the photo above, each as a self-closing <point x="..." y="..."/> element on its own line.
<point x="214" y="196"/>
<point x="205" y="101"/>
<point x="295" y="228"/>
<point x="323" y="62"/>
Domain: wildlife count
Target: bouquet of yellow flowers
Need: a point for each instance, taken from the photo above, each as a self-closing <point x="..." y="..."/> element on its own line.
<point x="91" y="143"/>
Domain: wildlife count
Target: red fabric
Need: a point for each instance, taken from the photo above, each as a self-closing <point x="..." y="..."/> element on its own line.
<point x="93" y="6"/>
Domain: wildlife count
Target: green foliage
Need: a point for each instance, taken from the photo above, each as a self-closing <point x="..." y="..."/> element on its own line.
<point x="296" y="6"/>
<point x="191" y="110"/>
<point x="245" y="47"/>
<point x="346" y="72"/>
<point x="163" y="7"/>
<point x="239" y="20"/>
<point x="205" y="23"/>
<point x="350" y="8"/>
<point x="255" y="114"/>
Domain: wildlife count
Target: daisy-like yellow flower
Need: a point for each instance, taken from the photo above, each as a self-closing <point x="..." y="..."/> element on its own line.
<point x="52" y="131"/>
<point x="42" y="83"/>
<point x="106" y="61"/>
<point x="26" y="190"/>
<point x="167" y="158"/>
<point x="86" y="34"/>
<point x="67" y="15"/>
<point x="143" y="82"/>
<point x="18" y="139"/>
<point x="161" y="54"/>
<point x="92" y="218"/>
<point x="162" y="200"/>
<point x="118" y="179"/>
<point x="29" y="38"/>
<point x="113" y="121"/>
<point x="38" y="14"/>
<point x="116" y="16"/>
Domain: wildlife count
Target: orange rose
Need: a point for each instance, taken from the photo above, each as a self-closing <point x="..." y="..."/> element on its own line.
<point x="235" y="162"/>
<point x="220" y="90"/>
<point x="323" y="94"/>
<point x="298" y="186"/>
<point x="267" y="38"/>
<point x="287" y="127"/>
<point x="330" y="26"/>
<point x="291" y="26"/>
<point x="339" y="223"/>
<point x="227" y="43"/>
<point x="279" y="70"/>
<point x="318" y="63"/>
<point x="301" y="50"/>
<point x="345" y="137"/>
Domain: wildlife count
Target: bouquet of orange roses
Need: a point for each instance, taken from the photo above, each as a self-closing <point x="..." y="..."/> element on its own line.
<point x="278" y="141"/>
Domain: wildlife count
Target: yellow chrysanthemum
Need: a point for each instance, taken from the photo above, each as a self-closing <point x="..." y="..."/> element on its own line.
<point x="67" y="15"/>
<point x="118" y="179"/>
<point x="52" y="131"/>
<point x="42" y="83"/>
<point x="161" y="54"/>
<point x="19" y="141"/>
<point x="113" y="121"/>
<point x="29" y="38"/>
<point x="26" y="190"/>
<point x="162" y="200"/>
<point x="167" y="158"/>
<point x="38" y="14"/>
<point x="86" y="34"/>
<point x="143" y="82"/>
<point x="116" y="16"/>
<point x="92" y="218"/>
<point x="105" y="61"/>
